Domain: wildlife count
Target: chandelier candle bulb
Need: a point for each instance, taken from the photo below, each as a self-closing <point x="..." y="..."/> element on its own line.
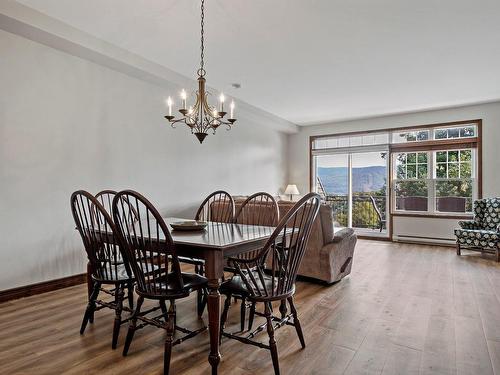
<point x="232" y="109"/>
<point x="221" y="99"/>
<point x="183" y="97"/>
<point x="169" y="103"/>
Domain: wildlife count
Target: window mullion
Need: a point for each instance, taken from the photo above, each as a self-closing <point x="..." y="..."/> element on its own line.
<point x="431" y="187"/>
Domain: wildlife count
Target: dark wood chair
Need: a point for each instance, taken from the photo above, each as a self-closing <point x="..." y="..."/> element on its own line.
<point x="105" y="198"/>
<point x="258" y="209"/>
<point x="105" y="257"/>
<point x="218" y="207"/>
<point x="283" y="252"/>
<point x="149" y="249"/>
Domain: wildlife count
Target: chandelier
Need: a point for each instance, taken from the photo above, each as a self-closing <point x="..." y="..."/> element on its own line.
<point x="201" y="117"/>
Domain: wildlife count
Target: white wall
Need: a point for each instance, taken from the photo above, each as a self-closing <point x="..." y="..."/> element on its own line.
<point x="67" y="123"/>
<point x="298" y="149"/>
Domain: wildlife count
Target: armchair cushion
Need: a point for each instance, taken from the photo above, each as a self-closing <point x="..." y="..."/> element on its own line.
<point x="477" y="238"/>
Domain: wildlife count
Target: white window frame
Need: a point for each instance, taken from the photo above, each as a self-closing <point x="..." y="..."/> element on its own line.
<point x="432" y="179"/>
<point x="400" y="147"/>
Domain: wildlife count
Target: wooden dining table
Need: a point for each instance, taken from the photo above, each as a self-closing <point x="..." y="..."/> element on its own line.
<point x="216" y="242"/>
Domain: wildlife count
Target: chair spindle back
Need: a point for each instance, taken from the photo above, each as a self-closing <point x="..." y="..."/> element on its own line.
<point x="218" y="207"/>
<point x="258" y="209"/>
<point x="147" y="244"/>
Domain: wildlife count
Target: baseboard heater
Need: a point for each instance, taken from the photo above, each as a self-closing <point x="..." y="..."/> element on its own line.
<point x="421" y="239"/>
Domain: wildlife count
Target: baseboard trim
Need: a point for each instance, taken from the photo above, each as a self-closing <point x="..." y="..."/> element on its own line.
<point x="437" y="241"/>
<point x="374" y="238"/>
<point x="43" y="287"/>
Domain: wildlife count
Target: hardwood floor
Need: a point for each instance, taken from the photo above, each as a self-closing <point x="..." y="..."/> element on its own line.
<point x="405" y="309"/>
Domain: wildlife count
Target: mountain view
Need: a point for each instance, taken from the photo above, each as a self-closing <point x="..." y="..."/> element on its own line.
<point x="365" y="179"/>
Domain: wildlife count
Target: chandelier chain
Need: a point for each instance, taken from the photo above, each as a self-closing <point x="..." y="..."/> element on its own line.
<point x="202" y="62"/>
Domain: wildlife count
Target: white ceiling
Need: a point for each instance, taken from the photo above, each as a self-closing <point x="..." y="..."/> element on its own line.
<point x="313" y="61"/>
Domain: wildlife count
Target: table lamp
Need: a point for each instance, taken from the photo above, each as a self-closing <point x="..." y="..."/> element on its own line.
<point x="292" y="190"/>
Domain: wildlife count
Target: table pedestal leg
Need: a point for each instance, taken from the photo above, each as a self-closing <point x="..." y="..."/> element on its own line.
<point x="214" y="323"/>
<point x="214" y="273"/>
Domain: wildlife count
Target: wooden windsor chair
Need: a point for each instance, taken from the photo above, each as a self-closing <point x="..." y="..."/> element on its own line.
<point x="149" y="249"/>
<point x="217" y="207"/>
<point x="106" y="260"/>
<point x="258" y="209"/>
<point x="283" y="253"/>
<point x="105" y="198"/>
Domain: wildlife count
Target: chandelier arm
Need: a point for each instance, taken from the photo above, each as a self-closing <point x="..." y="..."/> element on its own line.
<point x="175" y="121"/>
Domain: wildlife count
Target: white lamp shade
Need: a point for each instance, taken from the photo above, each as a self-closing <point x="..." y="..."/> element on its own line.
<point x="292" y="189"/>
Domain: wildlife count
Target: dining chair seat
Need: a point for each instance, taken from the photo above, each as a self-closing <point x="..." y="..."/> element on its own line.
<point x="166" y="286"/>
<point x="118" y="270"/>
<point x="236" y="285"/>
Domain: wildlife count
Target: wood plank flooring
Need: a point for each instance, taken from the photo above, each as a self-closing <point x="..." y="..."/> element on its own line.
<point x="405" y="309"/>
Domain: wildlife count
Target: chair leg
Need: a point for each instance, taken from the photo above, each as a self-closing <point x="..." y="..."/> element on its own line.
<point x="459" y="252"/>
<point x="272" y="341"/>
<point x="223" y="318"/>
<point x="89" y="311"/>
<point x="201" y="301"/>
<point x="133" y="325"/>
<point x="119" y="295"/>
<point x="283" y="309"/>
<point x="243" y="312"/>
<point x="130" y="295"/>
<point x="498" y="254"/>
<point x="296" y="322"/>
<point x="164" y="310"/>
<point x="170" y="337"/>
<point x="91" y="318"/>
<point x="251" y="316"/>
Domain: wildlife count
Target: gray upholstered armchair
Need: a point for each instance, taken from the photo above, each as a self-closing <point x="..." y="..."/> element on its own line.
<point x="482" y="233"/>
<point x="329" y="255"/>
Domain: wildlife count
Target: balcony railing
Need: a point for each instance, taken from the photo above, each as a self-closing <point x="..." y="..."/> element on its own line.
<point x="368" y="211"/>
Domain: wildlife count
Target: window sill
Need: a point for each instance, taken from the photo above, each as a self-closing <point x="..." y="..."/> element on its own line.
<point x="434" y="215"/>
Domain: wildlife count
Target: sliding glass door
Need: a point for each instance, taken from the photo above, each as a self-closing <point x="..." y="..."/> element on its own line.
<point x="369" y="191"/>
<point x="332" y="183"/>
<point x="354" y="183"/>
